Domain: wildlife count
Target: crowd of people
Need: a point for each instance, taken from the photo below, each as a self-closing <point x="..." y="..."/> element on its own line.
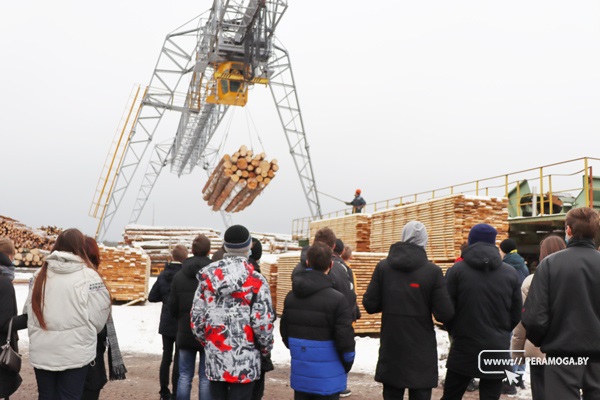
<point x="218" y="312"/>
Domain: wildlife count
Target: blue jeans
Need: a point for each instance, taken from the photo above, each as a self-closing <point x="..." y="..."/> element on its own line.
<point x="187" y="367"/>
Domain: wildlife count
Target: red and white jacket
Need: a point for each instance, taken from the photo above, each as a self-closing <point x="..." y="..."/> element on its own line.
<point x="232" y="316"/>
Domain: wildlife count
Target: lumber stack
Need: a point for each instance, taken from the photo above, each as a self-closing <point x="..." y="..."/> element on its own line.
<point x="238" y="179"/>
<point x="363" y="264"/>
<point x="26" y="238"/>
<point x="448" y="221"/>
<point x="285" y="265"/>
<point x="269" y="271"/>
<point x="353" y="230"/>
<point x="158" y="241"/>
<point x="126" y="272"/>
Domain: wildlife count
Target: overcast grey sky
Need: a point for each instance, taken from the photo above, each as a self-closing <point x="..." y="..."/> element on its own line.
<point x="397" y="98"/>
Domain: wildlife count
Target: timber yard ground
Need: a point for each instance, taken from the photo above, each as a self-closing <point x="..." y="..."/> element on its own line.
<point x="142" y="383"/>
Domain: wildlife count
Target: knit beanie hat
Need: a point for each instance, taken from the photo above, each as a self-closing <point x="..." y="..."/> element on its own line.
<point x="237" y="240"/>
<point x="482" y="233"/>
<point x="415" y="232"/>
<point x="508" y="245"/>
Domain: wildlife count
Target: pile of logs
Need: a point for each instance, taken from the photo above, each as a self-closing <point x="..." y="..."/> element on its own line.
<point x="26" y="238"/>
<point x="126" y="272"/>
<point x="30" y="258"/>
<point x="238" y="179"/>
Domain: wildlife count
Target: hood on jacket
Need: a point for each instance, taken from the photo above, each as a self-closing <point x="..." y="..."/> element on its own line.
<point x="63" y="262"/>
<point x="309" y="281"/>
<point x="171" y="269"/>
<point x="228" y="275"/>
<point x="406" y="256"/>
<point x="193" y="265"/>
<point x="415" y="232"/>
<point x="514" y="260"/>
<point x="482" y="255"/>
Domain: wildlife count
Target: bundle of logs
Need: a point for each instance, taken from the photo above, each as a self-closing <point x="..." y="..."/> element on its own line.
<point x="238" y="179"/>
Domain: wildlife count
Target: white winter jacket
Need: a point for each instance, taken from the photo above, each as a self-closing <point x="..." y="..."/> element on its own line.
<point x="76" y="307"/>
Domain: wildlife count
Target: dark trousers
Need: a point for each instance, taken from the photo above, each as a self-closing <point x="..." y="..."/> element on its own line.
<point x="60" y="385"/>
<point x="536" y="374"/>
<point x="169" y="347"/>
<point x="456" y="385"/>
<point x="394" y="393"/>
<point x="230" y="391"/>
<point x="310" y="396"/>
<point x="564" y="382"/>
<point x="259" y="387"/>
<point x="90" y="394"/>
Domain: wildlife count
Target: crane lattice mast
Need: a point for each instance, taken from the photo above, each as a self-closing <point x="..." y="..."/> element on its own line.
<point x="222" y="54"/>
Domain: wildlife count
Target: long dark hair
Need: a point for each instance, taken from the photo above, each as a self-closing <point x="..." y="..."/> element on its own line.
<point x="71" y="241"/>
<point x="92" y="251"/>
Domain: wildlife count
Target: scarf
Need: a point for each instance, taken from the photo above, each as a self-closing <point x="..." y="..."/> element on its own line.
<point x="8" y="271"/>
<point x="116" y="367"/>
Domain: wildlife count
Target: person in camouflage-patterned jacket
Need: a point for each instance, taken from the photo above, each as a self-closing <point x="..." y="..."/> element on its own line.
<point x="232" y="316"/>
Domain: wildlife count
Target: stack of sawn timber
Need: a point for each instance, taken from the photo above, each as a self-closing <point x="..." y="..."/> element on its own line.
<point x="353" y="230"/>
<point x="238" y="179"/>
<point x="158" y="241"/>
<point x="269" y="271"/>
<point x="126" y="272"/>
<point x="448" y="221"/>
<point x="31" y="245"/>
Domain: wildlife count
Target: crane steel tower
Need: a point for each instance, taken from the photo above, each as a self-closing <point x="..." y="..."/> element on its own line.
<point x="222" y="55"/>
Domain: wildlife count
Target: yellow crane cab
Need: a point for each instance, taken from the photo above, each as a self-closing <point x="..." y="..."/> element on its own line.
<point x="229" y="85"/>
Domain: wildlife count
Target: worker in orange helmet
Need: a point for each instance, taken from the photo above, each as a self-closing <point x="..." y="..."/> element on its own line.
<point x="358" y="203"/>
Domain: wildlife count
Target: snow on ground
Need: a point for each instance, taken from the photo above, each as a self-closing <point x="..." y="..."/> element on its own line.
<point x="137" y="331"/>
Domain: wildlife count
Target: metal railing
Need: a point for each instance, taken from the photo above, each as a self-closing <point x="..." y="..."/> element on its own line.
<point x="545" y="182"/>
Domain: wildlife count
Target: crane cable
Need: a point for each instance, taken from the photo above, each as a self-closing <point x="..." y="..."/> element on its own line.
<point x="251" y="124"/>
<point x="226" y="135"/>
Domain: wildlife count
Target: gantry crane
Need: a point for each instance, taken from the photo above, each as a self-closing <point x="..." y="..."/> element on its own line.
<point x="222" y="55"/>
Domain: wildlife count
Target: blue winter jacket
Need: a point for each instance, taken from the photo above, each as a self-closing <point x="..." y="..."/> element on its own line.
<point x="316" y="325"/>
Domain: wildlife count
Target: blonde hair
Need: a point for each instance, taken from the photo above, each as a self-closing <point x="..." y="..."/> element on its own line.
<point x="7" y="246"/>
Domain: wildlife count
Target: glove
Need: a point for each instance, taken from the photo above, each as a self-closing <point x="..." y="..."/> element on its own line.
<point x="348" y="204"/>
<point x="347" y="366"/>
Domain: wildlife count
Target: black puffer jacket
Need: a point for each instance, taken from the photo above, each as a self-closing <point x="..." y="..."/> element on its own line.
<point x="408" y="289"/>
<point x="562" y="310"/>
<point x="487" y="301"/>
<point x="342" y="280"/>
<point x="160" y="293"/>
<point x="183" y="287"/>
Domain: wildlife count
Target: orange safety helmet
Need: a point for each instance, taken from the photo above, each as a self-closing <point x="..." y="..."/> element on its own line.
<point x="358" y="191"/>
